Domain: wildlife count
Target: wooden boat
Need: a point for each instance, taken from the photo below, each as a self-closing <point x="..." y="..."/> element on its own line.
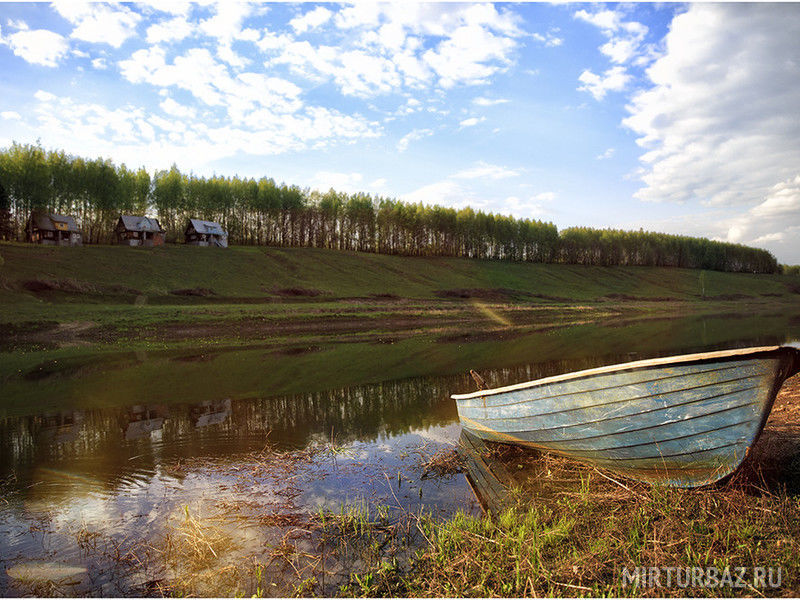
<point x="684" y="421"/>
<point x="488" y="479"/>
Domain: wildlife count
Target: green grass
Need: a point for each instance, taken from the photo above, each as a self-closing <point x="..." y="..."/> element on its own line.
<point x="583" y="541"/>
<point x="259" y="272"/>
<point x="116" y="295"/>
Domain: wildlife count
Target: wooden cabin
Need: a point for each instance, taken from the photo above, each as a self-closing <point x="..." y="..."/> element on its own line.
<point x="139" y="231"/>
<point x="206" y="233"/>
<point x="52" y="229"/>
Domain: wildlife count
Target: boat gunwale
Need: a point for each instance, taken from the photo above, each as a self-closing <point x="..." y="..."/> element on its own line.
<point x="624" y="367"/>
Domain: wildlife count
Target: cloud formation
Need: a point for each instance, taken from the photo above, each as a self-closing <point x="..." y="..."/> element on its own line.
<point x="38" y="46"/>
<point x="99" y="23"/>
<point x="625" y="46"/>
<point x="719" y="120"/>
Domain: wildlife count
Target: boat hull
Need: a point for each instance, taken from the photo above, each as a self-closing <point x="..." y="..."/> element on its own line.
<point x="686" y="421"/>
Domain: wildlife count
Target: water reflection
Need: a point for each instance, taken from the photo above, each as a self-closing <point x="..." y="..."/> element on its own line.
<point x="223" y="403"/>
<point x="141" y="420"/>
<point x="211" y="413"/>
<point x="86" y="438"/>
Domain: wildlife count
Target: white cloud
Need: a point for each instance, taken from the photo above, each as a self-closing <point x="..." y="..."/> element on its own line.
<point x="383" y="47"/>
<point x="549" y="39"/>
<point x="99" y="23"/>
<point x="227" y="27"/>
<point x="444" y="193"/>
<point x="135" y="136"/>
<point x="178" y="8"/>
<point x="609" y="153"/>
<point x="471" y="55"/>
<point x="311" y="20"/>
<point x="720" y="120"/>
<point x="99" y="63"/>
<point x="172" y="30"/>
<point x="175" y="109"/>
<point x="412" y="136"/>
<point x="363" y="14"/>
<point x="341" y="182"/>
<point x="482" y="101"/>
<point x="228" y="19"/>
<point x="472" y="121"/>
<point x="614" y="79"/>
<point x="349" y="183"/>
<point x="38" y="46"/>
<point x="10" y="115"/>
<point x="17" y="24"/>
<point x="624" y="37"/>
<point x="625" y="45"/>
<point x="783" y="201"/>
<point x="534" y="207"/>
<point x="773" y="223"/>
<point x="607" y="20"/>
<point x="486" y="171"/>
<point x="544" y="197"/>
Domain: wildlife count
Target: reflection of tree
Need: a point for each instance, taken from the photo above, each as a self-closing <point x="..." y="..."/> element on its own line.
<point x="99" y="443"/>
<point x="100" y="446"/>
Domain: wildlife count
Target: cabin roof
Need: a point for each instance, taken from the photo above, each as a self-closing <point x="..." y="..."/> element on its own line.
<point x="54" y="222"/>
<point x="137" y="223"/>
<point x="208" y="227"/>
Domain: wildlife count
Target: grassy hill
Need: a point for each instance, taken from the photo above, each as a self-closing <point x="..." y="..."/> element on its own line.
<point x="181" y="273"/>
<point x="344" y="317"/>
<point x="114" y="296"/>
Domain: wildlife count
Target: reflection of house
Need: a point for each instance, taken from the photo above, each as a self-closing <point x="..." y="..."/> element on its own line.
<point x="211" y="413"/>
<point x="206" y="233"/>
<point x="53" y="229"/>
<point x="60" y="427"/>
<point x="143" y="420"/>
<point x="139" y="231"/>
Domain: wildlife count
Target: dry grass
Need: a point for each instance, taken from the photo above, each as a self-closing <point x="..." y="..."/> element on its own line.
<point x="573" y="529"/>
<point x="443" y="463"/>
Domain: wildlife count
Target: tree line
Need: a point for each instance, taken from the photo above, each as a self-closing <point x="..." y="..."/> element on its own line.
<point x="263" y="212"/>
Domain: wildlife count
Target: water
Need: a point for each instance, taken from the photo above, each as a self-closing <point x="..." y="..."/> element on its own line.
<point x="103" y="451"/>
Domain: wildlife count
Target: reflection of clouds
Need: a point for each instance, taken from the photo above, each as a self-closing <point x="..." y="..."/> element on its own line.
<point x="232" y="497"/>
<point x="446" y="435"/>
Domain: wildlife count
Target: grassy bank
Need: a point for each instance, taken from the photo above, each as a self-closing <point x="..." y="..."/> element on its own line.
<point x="568" y="530"/>
<point x="275" y="273"/>
<point x="111" y="294"/>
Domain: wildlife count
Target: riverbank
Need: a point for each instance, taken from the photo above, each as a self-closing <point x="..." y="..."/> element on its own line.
<point x="596" y="535"/>
<point x="277" y="422"/>
<point x="178" y="295"/>
<point x="247" y="527"/>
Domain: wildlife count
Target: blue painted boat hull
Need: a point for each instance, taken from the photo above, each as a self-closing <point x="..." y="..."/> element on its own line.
<point x="683" y="421"/>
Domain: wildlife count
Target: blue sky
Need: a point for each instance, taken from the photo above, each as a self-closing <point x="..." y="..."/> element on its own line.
<point x="669" y="117"/>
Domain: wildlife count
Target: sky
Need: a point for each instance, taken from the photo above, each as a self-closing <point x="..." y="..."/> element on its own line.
<point x="678" y="118"/>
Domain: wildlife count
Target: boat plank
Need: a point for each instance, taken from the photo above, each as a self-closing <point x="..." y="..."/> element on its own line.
<point x="490" y="481"/>
<point x="686" y="420"/>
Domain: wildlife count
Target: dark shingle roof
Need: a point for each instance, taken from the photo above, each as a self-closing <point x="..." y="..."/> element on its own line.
<point x="207" y="227"/>
<point x="135" y="223"/>
<point x="52" y="222"/>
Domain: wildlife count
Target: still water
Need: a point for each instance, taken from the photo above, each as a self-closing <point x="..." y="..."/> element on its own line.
<point x="101" y="451"/>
